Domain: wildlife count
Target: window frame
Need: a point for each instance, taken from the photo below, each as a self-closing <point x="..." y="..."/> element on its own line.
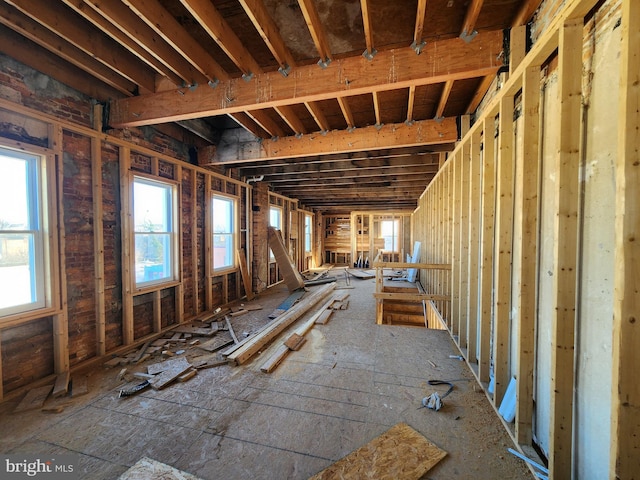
<point x="234" y="233"/>
<point x="280" y="211"/>
<point x="41" y="191"/>
<point x="308" y="235"/>
<point x="174" y="234"/>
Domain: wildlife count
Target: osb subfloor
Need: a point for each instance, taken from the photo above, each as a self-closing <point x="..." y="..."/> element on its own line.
<point x="350" y="382"/>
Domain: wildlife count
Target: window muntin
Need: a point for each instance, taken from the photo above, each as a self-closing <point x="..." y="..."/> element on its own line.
<point x="307" y="233"/>
<point x="23" y="283"/>
<point x="154" y="231"/>
<point x="224" y="232"/>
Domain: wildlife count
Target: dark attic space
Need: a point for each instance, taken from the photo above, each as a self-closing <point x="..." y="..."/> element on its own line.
<point x="319" y="239"/>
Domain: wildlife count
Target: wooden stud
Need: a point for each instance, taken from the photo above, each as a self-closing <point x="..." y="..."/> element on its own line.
<point x="194" y="241"/>
<point x="60" y="320"/>
<point x="208" y="247"/>
<point x="474" y="248"/>
<point x="487" y="241"/>
<point x="455" y="246"/>
<point x="98" y="240"/>
<point x="503" y="247"/>
<point x="157" y="311"/>
<point x="528" y="162"/>
<point x="518" y="46"/>
<point x="625" y="411"/>
<point x="565" y="248"/>
<point x="127" y="241"/>
<point x="463" y="287"/>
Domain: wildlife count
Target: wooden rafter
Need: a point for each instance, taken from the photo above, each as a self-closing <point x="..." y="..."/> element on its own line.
<point x="346" y="111"/>
<point x="444" y="97"/>
<point x="418" y="34"/>
<point x="99" y="47"/>
<point x="215" y="25"/>
<point x="471" y="17"/>
<point x="131" y="25"/>
<point x="249" y="124"/>
<point x="289" y="116"/>
<point x="92" y="16"/>
<point x="368" y="33"/>
<point x="161" y="21"/>
<point x="376" y="108"/>
<point x="411" y="103"/>
<point x="393" y="69"/>
<point x="269" y="32"/>
<point x="316" y="29"/>
<point x="318" y="115"/>
<point x="266" y="122"/>
<point x="527" y="9"/>
<point x="35" y="32"/>
<point x="394" y="175"/>
<point x="422" y="133"/>
<point x="480" y="93"/>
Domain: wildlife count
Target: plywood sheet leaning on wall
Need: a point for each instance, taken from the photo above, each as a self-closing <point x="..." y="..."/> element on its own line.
<point x="290" y="274"/>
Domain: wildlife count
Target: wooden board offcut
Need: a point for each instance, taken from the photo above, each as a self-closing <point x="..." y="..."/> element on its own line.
<point x="147" y="468"/>
<point x="400" y="453"/>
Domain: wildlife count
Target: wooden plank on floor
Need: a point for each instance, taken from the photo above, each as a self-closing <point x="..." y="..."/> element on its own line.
<point x="61" y="387"/>
<point x="324" y="316"/>
<point x="400" y="453"/>
<point x="218" y="342"/>
<point x="34" y="399"/>
<point x="79" y="386"/>
<point x="167" y="376"/>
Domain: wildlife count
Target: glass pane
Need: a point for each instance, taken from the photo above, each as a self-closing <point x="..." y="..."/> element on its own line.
<point x="14" y="196"/>
<point x="152" y="207"/>
<point x="222" y="251"/>
<point x="274" y="218"/>
<point x="222" y="215"/>
<point x="153" y="257"/>
<point x="17" y="270"/>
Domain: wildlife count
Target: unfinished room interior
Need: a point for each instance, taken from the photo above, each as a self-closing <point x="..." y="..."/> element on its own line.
<point x="291" y="239"/>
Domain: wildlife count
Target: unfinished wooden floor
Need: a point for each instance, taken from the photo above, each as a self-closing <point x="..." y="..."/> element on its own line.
<point x="350" y="382"/>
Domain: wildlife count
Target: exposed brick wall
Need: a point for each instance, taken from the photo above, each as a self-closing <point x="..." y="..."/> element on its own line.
<point x="27" y="353"/>
<point x="79" y="247"/>
<point x="259" y="236"/>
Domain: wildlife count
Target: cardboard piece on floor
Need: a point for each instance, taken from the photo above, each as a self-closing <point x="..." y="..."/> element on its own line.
<point x="34" y="399"/>
<point x="290" y="274"/>
<point x="400" y="453"/>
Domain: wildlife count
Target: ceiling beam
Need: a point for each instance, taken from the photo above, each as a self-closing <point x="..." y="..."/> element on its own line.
<point x="376" y="109"/>
<point x="440" y="61"/>
<point x="34" y="31"/>
<point x="289" y="116"/>
<point x="73" y="29"/>
<point x="393" y="171"/>
<point x="444" y="97"/>
<point x="424" y="132"/>
<point x="131" y="25"/>
<point x="353" y="176"/>
<point x="216" y="26"/>
<point x="468" y="31"/>
<point x="316" y="30"/>
<point x="270" y="33"/>
<point x="163" y="23"/>
<point x="201" y="129"/>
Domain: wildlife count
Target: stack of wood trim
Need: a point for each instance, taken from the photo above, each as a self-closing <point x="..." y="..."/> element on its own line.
<point x="253" y="344"/>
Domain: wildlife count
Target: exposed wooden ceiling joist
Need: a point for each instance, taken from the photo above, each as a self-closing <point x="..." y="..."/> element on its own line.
<point x="425" y="132"/>
<point x="468" y="31"/>
<point x="393" y="69"/>
<point x="316" y="30"/>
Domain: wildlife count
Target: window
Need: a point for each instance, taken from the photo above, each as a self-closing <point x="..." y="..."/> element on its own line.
<point x="224" y="235"/>
<point x="22" y="233"/>
<point x="275" y="220"/>
<point x="154" y="231"/>
<point x="391" y="234"/>
<point x="307" y="233"/>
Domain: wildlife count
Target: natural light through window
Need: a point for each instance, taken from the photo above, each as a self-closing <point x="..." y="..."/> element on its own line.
<point x="275" y="220"/>
<point x="390" y="232"/>
<point x="22" y="273"/>
<point x="223" y="232"/>
<point x="153" y="215"/>
<point x="307" y="233"/>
